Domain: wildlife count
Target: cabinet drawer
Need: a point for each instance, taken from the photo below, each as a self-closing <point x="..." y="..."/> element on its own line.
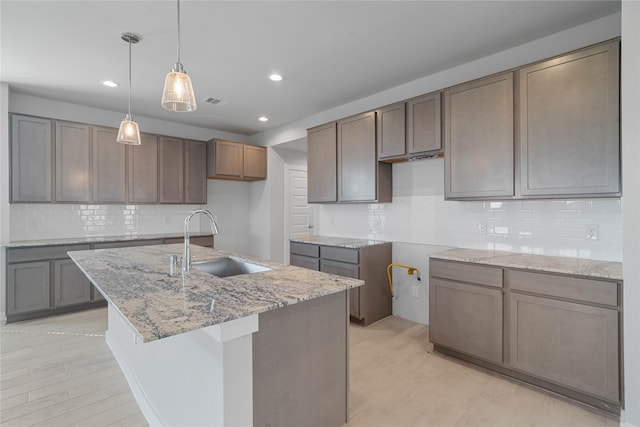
<point x="340" y="268"/>
<point x="339" y="254"/>
<point x="127" y="243"/>
<point x="42" y="253"/>
<point x="472" y="273"/>
<point x="580" y="289"/>
<point x="306" y="249"/>
<point x="305" y="262"/>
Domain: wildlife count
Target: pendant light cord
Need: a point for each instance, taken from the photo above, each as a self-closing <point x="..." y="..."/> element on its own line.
<point x="130" y="116"/>
<point x="178" y="32"/>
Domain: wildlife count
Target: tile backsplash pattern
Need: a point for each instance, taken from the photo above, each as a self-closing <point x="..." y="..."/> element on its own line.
<point x="55" y="221"/>
<point x="545" y="227"/>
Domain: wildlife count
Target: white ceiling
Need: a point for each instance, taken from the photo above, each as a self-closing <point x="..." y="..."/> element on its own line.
<point x="330" y="52"/>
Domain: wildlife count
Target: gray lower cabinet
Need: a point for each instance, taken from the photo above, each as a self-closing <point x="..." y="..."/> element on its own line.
<point x="478" y="138"/>
<point x="467" y="318"/>
<point x="569" y="124"/>
<point x="367" y="303"/>
<point x="28" y="287"/>
<point x="70" y="284"/>
<point x="31" y="159"/>
<point x="555" y="331"/>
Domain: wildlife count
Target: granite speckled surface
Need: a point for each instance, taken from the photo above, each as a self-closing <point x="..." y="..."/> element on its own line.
<point x="136" y="281"/>
<point x="343" y="242"/>
<point x="100" y="239"/>
<point x="552" y="264"/>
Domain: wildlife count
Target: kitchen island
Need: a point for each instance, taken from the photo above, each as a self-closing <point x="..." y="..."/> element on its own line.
<point x="251" y="349"/>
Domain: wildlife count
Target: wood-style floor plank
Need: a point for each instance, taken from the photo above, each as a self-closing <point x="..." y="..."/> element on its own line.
<point x="58" y="371"/>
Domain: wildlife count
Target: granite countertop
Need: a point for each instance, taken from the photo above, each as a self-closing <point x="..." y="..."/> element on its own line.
<point x="551" y="264"/>
<point x="99" y="239"/>
<point x="343" y="242"/>
<point x="137" y="283"/>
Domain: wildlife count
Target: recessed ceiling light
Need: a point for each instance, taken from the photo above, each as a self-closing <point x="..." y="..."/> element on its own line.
<point x="110" y="83"/>
<point x="276" y="77"/>
<point x="263" y="119"/>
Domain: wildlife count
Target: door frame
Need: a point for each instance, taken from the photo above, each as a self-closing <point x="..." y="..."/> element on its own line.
<point x="287" y="206"/>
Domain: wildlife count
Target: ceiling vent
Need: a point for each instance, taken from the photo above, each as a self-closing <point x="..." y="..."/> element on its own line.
<point x="215" y="101"/>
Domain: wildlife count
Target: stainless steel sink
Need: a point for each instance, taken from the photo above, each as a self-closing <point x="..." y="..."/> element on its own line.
<point x="225" y="267"/>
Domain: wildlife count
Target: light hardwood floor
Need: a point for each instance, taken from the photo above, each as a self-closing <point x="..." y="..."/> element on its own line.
<point x="58" y="371"/>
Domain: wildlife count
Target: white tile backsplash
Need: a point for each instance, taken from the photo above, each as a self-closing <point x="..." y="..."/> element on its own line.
<point x="55" y="221"/>
<point x="419" y="214"/>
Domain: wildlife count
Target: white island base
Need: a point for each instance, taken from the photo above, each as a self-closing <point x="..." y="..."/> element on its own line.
<point x="284" y="367"/>
<point x="199" y="378"/>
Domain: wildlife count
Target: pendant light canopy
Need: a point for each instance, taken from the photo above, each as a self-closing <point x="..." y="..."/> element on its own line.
<point x="178" y="91"/>
<point x="129" y="133"/>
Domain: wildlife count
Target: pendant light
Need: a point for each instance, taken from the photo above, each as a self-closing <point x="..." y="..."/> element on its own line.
<point x="129" y="133"/>
<point x="178" y="92"/>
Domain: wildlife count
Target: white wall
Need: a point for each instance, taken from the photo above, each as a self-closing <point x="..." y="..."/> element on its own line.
<point x="630" y="104"/>
<point x="229" y="203"/>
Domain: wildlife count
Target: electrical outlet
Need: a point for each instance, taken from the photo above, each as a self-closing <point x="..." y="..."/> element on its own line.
<point x="415" y="291"/>
<point x="591" y="232"/>
<point x="482" y="228"/>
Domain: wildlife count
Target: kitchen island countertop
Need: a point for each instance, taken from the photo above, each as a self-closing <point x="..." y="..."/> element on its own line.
<point x="552" y="264"/>
<point x="136" y="281"/>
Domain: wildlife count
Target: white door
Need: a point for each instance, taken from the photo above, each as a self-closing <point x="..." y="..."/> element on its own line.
<point x="298" y="213"/>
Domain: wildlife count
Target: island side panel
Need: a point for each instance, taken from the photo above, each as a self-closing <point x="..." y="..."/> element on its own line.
<point x="300" y="364"/>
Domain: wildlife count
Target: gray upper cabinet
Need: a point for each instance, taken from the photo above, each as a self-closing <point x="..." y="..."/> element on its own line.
<point x="143" y="170"/>
<point x="195" y="184"/>
<point x="322" y="164"/>
<point x="108" y="167"/>
<point x="171" y="170"/>
<point x="423" y="124"/>
<point x="73" y="162"/>
<point x="361" y="178"/>
<point x="569" y="124"/>
<point x="478" y="137"/>
<point x="391" y="132"/>
<point x="254" y="163"/>
<point x="31" y="159"/>
<point x="236" y="161"/>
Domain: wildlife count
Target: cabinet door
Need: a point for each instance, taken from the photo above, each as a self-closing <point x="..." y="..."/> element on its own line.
<point x="195" y="184"/>
<point x="322" y="169"/>
<point x="71" y="286"/>
<point x="569" y="124"/>
<point x="254" y="162"/>
<point x="228" y="159"/>
<point x="391" y="131"/>
<point x="304" y="262"/>
<point x="171" y="170"/>
<point x="143" y="170"/>
<point x="31" y="158"/>
<point x="108" y="166"/>
<point x="73" y="162"/>
<point x="466" y="318"/>
<point x="478" y="137"/>
<point x="571" y="344"/>
<point x="357" y="161"/>
<point x="28" y="287"/>
<point x="423" y="124"/>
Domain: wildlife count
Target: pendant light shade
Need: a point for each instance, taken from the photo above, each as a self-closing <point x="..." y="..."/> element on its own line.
<point x="129" y="133"/>
<point x="178" y="91"/>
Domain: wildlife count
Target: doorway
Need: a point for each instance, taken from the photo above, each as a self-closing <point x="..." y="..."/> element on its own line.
<point x="298" y="217"/>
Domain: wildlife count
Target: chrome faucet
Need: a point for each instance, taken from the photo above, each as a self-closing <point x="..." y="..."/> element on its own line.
<point x="186" y="257"/>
